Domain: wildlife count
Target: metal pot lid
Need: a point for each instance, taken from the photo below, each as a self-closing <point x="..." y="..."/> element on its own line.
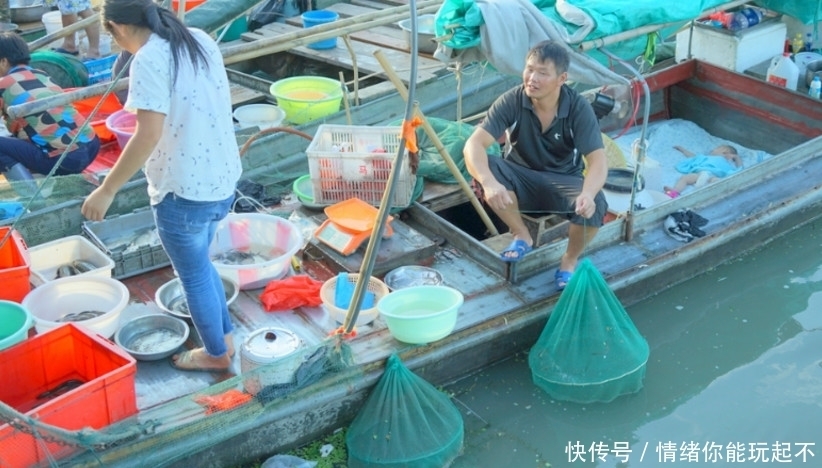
<point x="271" y="343"/>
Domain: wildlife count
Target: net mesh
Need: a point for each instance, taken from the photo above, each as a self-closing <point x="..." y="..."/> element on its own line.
<point x="405" y="422"/>
<point x="63" y="435"/>
<point x="590" y="350"/>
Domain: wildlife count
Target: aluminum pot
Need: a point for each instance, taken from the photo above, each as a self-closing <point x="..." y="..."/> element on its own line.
<point x="269" y="356"/>
<point x="27" y="11"/>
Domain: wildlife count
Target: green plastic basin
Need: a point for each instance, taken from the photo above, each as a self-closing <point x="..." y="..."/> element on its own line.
<point x="421" y="314"/>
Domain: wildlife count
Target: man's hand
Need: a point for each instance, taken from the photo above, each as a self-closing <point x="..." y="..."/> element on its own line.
<point x="585" y="205"/>
<point x="496" y="195"/>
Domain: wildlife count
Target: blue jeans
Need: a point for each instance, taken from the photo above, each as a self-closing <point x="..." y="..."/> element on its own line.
<point x="14" y="150"/>
<point x="186" y="229"/>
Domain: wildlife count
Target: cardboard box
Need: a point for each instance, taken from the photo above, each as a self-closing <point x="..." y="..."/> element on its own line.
<point x="734" y="50"/>
<point x="66" y="377"/>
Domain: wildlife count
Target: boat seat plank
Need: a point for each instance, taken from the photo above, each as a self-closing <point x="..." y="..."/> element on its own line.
<point x="437" y="196"/>
<point x="366" y="62"/>
<point x="243" y="95"/>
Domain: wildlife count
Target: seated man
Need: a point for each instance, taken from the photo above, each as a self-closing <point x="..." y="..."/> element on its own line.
<point x="549" y="127"/>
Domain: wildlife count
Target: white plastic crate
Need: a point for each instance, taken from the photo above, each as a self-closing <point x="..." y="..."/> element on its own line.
<point x="47" y="258"/>
<point x="356" y="161"/>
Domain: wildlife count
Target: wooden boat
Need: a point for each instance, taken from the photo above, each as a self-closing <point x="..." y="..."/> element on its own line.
<point x="506" y="305"/>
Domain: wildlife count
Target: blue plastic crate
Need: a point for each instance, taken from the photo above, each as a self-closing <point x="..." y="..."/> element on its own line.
<point x="99" y="70"/>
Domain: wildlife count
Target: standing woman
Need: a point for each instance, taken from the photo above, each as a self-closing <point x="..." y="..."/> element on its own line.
<point x="184" y="141"/>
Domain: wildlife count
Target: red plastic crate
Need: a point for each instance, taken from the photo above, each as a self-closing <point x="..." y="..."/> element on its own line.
<point x="15" y="267"/>
<point x="45" y="362"/>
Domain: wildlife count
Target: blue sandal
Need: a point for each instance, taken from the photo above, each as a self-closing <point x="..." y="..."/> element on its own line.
<point x="518" y="247"/>
<point x="562" y="278"/>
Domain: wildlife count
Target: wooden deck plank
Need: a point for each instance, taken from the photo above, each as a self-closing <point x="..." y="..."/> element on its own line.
<point x="242" y="95"/>
<point x="366" y="62"/>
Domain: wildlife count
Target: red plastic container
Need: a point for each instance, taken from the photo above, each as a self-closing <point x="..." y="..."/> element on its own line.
<point x="15" y="266"/>
<point x="35" y="370"/>
<point x="190" y="4"/>
<point x="109" y="106"/>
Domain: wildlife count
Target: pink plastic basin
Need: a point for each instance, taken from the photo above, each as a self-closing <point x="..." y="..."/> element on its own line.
<point x="122" y="124"/>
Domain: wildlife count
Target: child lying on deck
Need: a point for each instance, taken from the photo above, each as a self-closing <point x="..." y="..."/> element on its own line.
<point x="703" y="169"/>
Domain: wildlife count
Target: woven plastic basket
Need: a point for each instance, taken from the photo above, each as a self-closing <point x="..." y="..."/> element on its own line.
<point x="366" y="316"/>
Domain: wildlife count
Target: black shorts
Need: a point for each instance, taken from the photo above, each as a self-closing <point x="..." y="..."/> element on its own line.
<point x="546" y="192"/>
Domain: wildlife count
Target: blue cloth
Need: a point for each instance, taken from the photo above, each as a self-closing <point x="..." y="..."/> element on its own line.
<point x="716" y="165"/>
<point x="10" y="210"/>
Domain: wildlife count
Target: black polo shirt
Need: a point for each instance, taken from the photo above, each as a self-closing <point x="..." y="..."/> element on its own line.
<point x="574" y="132"/>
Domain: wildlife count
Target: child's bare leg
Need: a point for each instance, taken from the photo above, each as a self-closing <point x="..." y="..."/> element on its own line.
<point x="683" y="182"/>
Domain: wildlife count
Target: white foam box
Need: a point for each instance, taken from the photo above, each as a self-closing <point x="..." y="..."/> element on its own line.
<point x="736" y="51"/>
<point x="47" y="258"/>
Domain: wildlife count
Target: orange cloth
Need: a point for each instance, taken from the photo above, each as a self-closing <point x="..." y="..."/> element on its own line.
<point x="223" y="401"/>
<point x="409" y="132"/>
<point x="291" y="292"/>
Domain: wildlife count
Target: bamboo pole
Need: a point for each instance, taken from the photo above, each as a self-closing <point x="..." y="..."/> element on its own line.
<point x="452" y="166"/>
<point x="283" y="42"/>
<point x="66" y="31"/>
<point x="252" y="49"/>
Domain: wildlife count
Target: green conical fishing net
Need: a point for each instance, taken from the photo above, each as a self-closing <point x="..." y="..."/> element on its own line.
<point x="590" y="350"/>
<point x="406" y="422"/>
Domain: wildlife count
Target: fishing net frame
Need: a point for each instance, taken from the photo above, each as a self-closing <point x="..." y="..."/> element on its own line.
<point x="590" y="350"/>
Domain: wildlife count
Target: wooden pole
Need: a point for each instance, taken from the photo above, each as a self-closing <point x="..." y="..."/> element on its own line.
<point x="345" y="98"/>
<point x="238" y="53"/>
<point x="283" y="42"/>
<point x="66" y="31"/>
<point x="455" y="171"/>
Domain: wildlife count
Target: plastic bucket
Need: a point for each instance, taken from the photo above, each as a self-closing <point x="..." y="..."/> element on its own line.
<point x="53" y="22"/>
<point x="316" y="18"/>
<point x="15" y="321"/>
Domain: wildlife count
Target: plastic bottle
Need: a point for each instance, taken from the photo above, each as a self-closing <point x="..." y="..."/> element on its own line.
<point x="798" y="43"/>
<point x="808" y="42"/>
<point x="745" y="18"/>
<point x="783" y="72"/>
<point x="816" y="88"/>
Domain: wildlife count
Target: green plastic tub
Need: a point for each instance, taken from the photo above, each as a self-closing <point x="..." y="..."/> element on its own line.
<point x="421" y="314"/>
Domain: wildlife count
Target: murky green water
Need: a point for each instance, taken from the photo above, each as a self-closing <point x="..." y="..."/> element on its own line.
<point x="734" y="379"/>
